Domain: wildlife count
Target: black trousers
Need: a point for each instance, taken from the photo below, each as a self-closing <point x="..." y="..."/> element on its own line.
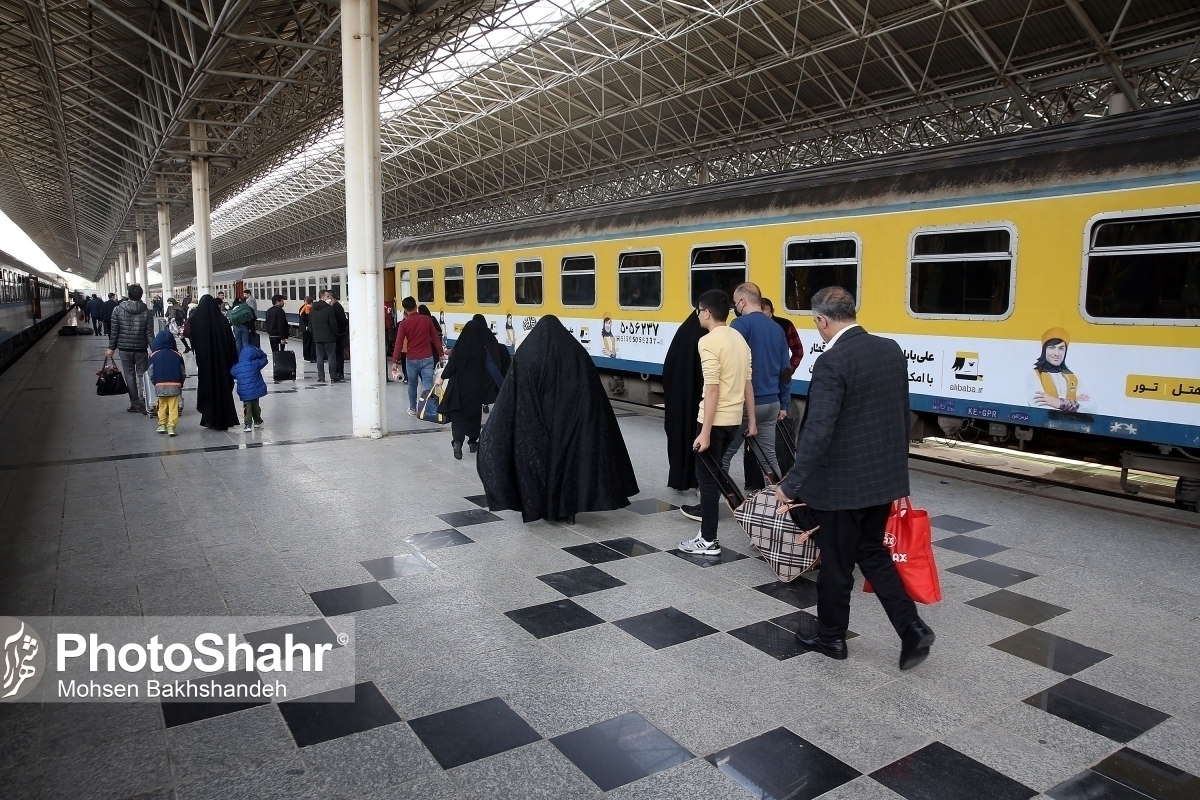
<point x="850" y="537"/>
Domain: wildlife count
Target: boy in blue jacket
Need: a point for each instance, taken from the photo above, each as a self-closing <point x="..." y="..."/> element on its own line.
<point x="167" y="372"/>
<point x="250" y="384"/>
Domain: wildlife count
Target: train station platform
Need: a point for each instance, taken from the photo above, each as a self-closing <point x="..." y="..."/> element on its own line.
<point x="494" y="659"/>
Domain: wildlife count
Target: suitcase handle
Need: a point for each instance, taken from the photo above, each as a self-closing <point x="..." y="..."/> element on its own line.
<point x="733" y="497"/>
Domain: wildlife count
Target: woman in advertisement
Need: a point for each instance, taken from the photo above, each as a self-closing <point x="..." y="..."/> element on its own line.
<point x="1055" y="386"/>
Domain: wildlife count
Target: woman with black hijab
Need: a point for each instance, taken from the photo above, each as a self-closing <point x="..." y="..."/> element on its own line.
<point x="683" y="384"/>
<point x="474" y="374"/>
<point x="552" y="447"/>
<point x="212" y="339"/>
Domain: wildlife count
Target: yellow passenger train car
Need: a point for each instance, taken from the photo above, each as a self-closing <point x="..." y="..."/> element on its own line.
<point x="980" y="258"/>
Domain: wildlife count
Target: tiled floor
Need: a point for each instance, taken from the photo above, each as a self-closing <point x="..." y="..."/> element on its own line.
<point x="501" y="660"/>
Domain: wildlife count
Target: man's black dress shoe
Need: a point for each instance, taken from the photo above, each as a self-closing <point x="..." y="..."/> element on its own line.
<point x="834" y="648"/>
<point x="914" y="644"/>
<point x="457" y="447"/>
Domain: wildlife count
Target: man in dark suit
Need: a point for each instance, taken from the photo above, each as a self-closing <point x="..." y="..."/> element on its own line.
<point x="851" y="463"/>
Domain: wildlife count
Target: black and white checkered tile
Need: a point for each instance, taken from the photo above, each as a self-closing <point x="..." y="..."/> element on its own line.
<point x="779" y="763"/>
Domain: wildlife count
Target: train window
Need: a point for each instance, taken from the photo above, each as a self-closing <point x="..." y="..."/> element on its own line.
<point x="425" y="285"/>
<point x="529" y="283"/>
<point x="487" y="283"/>
<point x="639" y="279"/>
<point x="292" y="295"/>
<point x="579" y="281"/>
<point x="722" y="267"/>
<point x="962" y="273"/>
<point x="335" y="286"/>
<point x="810" y="265"/>
<point x="455" y="287"/>
<point x="1144" y="268"/>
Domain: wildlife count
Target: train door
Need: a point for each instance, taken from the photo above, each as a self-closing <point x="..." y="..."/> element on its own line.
<point x="389" y="285"/>
<point x="239" y="288"/>
<point x="405" y="289"/>
<point x="35" y="297"/>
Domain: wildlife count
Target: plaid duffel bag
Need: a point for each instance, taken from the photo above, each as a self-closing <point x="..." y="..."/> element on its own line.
<point x="784" y="539"/>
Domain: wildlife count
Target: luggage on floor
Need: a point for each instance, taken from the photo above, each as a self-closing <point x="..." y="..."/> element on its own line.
<point x="68" y="330"/>
<point x="283" y="365"/>
<point x="83" y="330"/>
<point x="149" y="396"/>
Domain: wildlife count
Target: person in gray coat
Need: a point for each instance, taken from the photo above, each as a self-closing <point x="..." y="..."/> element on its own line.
<point x="851" y="463"/>
<point x="131" y="334"/>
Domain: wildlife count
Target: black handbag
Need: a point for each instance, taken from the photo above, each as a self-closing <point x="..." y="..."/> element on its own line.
<point x="109" y="380"/>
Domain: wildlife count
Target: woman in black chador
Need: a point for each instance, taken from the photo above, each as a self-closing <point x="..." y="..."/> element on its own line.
<point x="683" y="384"/>
<point x="551" y="447"/>
<point x="212" y="339"/>
<point x="477" y="366"/>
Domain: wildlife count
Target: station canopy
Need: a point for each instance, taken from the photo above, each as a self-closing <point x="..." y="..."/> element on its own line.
<point x="498" y="109"/>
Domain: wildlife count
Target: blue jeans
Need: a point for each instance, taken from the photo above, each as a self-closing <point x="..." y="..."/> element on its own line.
<point x="241" y="336"/>
<point x="418" y="367"/>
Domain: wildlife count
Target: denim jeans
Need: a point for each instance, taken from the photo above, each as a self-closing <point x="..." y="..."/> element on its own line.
<point x="418" y="368"/>
<point x="241" y="336"/>
<point x="766" y="417"/>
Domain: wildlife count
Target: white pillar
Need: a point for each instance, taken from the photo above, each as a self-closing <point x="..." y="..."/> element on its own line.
<point x="364" y="216"/>
<point x="124" y="263"/>
<point x="164" y="240"/>
<point x="200" y="209"/>
<point x="143" y="270"/>
<point x="131" y="264"/>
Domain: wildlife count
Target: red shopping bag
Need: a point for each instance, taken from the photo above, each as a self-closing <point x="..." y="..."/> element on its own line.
<point x="910" y="539"/>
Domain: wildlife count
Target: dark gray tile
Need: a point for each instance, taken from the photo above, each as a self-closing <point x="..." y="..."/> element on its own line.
<point x="1027" y="610"/>
<point x="946" y="522"/>
<point x="664" y="628"/>
<point x="1149" y="776"/>
<point x="1097" y="710"/>
<point x="312" y="633"/>
<point x="181" y="712"/>
<point x="434" y="540"/>
<point x="620" y="751"/>
<point x="727" y="556"/>
<point x="594" y="553"/>
<point x="770" y="638"/>
<point x="1089" y="785"/>
<point x="348" y="599"/>
<point x="398" y="566"/>
<point x="938" y="772"/>
<point x="584" y="580"/>
<point x="779" y="765"/>
<point x="471" y="732"/>
<point x="800" y="593"/>
<point x="650" y="506"/>
<point x="473" y="516"/>
<point x="803" y="622"/>
<point x="551" y="619"/>
<point x="971" y="546"/>
<point x="992" y="573"/>
<point x="478" y="499"/>
<point x="331" y="715"/>
<point x="1047" y="650"/>
<point x="627" y="545"/>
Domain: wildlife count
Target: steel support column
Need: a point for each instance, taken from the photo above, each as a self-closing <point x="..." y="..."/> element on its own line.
<point x="143" y="270"/>
<point x="364" y="217"/>
<point x="201" y="213"/>
<point x="164" y="240"/>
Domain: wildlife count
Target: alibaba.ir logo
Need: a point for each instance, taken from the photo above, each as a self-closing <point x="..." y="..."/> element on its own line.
<point x="24" y="659"/>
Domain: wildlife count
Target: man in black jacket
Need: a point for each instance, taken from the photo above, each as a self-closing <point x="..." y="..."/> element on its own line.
<point x="325" y="328"/>
<point x="109" y="305"/>
<point x="851" y="463"/>
<point x="276" y="323"/>
<point x="131" y="334"/>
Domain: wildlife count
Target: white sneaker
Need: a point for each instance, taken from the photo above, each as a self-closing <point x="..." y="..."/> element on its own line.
<point x="247" y="428"/>
<point x="700" y="546"/>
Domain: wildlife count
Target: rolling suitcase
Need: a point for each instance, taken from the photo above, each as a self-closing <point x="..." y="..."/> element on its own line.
<point x="149" y="396"/>
<point x="283" y="365"/>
